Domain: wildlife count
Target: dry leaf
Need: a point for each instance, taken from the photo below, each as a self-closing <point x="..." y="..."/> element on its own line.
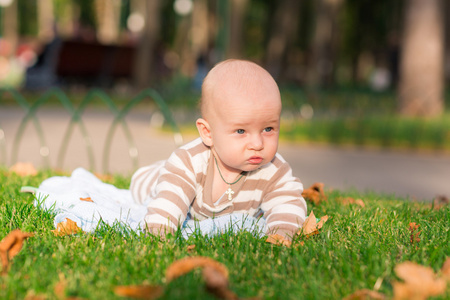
<point x="419" y="282"/>
<point x="217" y="283"/>
<point x="365" y="294"/>
<point x="66" y="227"/>
<point x="190" y="248"/>
<point x="11" y="245"/>
<point x="60" y="287"/>
<point x="214" y="273"/>
<point x="315" y="193"/>
<point x="32" y="296"/>
<point x="144" y="291"/>
<point x="185" y="265"/>
<point x="350" y="200"/>
<point x="278" y="239"/>
<point x="311" y="226"/>
<point x="88" y="199"/>
<point x="440" y="201"/>
<point x="446" y="269"/>
<point x="24" y="169"/>
<point x="413" y="227"/>
<point x="103" y="177"/>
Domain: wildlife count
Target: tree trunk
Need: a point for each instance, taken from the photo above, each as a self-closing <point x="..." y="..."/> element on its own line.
<point x="144" y="59"/>
<point x="285" y="25"/>
<point x="237" y="16"/>
<point x="46" y="20"/>
<point x="108" y="16"/>
<point x="11" y="26"/>
<point x="422" y="59"/>
<point x="324" y="49"/>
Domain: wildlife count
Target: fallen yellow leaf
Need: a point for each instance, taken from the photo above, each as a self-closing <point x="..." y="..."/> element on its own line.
<point x="278" y="239"/>
<point x="350" y="200"/>
<point x="214" y="273"/>
<point x="66" y="227"/>
<point x="11" y="245"/>
<point x="446" y="269"/>
<point x="311" y="226"/>
<point x="88" y="199"/>
<point x="419" y="282"/>
<point x="185" y="265"/>
<point x="144" y="291"/>
<point x="365" y="294"/>
<point x="315" y="193"/>
<point x="24" y="169"/>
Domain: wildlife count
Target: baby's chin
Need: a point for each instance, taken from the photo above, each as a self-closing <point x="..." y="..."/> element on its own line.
<point x="253" y="167"/>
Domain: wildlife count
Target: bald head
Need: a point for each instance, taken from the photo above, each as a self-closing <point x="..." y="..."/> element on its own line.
<point x="234" y="77"/>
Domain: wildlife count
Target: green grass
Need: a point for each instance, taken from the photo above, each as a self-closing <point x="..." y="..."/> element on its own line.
<point x="356" y="248"/>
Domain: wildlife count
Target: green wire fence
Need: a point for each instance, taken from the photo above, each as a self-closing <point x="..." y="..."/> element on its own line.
<point x="76" y="119"/>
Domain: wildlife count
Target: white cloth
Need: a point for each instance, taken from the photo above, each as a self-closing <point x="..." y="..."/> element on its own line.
<point x="113" y="206"/>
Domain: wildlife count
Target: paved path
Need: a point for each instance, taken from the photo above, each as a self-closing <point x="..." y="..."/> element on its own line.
<point x="409" y="174"/>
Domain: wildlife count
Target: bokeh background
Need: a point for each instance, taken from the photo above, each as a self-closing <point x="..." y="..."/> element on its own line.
<point x="402" y="46"/>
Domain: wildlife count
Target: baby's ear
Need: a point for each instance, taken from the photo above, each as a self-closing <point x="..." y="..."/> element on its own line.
<point x="204" y="131"/>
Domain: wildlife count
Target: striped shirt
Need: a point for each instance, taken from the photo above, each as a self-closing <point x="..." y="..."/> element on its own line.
<point x="183" y="184"/>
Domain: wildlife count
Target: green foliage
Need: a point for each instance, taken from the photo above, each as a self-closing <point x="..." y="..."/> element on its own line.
<point x="356" y="248"/>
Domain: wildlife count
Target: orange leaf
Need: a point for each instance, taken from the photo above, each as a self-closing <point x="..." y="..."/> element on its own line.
<point x="440" y="201"/>
<point x="315" y="193"/>
<point x="144" y="291"/>
<point x="88" y="199"/>
<point x="24" y="169"/>
<point x="310" y="226"/>
<point x="413" y="227"/>
<point x="185" y="265"/>
<point x="350" y="200"/>
<point x="278" y="239"/>
<point x="67" y="227"/>
<point x="446" y="269"/>
<point x="60" y="287"/>
<point x="214" y="273"/>
<point x="365" y="294"/>
<point x="11" y="245"/>
<point x="190" y="248"/>
<point x="419" y="282"/>
<point x="103" y="177"/>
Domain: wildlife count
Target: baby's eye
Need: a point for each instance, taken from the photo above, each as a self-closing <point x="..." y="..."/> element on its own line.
<point x="268" y="129"/>
<point x="240" y="131"/>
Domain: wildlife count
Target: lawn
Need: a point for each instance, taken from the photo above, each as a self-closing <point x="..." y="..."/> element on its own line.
<point x="359" y="247"/>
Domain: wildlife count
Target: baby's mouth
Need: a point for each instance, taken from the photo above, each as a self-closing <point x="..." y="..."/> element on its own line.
<point x="255" y="160"/>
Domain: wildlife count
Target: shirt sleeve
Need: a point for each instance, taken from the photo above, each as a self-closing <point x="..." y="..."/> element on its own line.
<point x="283" y="205"/>
<point x="175" y="191"/>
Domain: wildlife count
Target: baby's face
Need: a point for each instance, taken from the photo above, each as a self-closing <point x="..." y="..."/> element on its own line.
<point x="245" y="124"/>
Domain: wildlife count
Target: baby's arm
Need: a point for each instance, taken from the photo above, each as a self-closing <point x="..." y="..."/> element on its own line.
<point x="175" y="191"/>
<point x="283" y="205"/>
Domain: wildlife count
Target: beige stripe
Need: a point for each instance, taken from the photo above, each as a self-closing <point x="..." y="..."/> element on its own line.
<point x="198" y="149"/>
<point x="163" y="213"/>
<point x="251" y="204"/>
<point x="175" y="199"/>
<point x="174" y="180"/>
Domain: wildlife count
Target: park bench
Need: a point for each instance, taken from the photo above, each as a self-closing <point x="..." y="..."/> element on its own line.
<point x="65" y="62"/>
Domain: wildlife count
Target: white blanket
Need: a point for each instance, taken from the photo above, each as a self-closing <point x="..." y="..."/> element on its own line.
<point x="63" y="196"/>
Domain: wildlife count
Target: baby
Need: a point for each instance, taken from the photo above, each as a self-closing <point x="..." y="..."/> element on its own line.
<point x="234" y="166"/>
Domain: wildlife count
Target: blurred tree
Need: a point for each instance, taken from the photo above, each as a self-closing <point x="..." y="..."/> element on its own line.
<point x="46" y="20"/>
<point x="145" y="58"/>
<point x="236" y="23"/>
<point x="11" y="25"/>
<point x="108" y="20"/>
<point x="325" y="43"/>
<point x="422" y="59"/>
<point x="283" y="35"/>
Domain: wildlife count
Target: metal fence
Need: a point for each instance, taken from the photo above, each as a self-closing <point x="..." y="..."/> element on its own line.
<point x="76" y="112"/>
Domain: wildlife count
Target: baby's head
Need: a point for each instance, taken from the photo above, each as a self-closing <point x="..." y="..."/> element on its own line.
<point x="240" y="107"/>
